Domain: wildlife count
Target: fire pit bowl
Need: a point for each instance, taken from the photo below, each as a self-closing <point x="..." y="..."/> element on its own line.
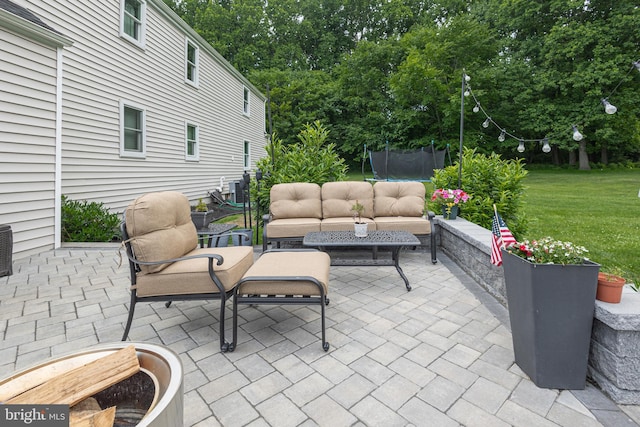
<point x="160" y="376"/>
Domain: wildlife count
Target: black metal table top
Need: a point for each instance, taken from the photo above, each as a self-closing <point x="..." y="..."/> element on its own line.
<point x="215" y="228"/>
<point x="348" y="238"/>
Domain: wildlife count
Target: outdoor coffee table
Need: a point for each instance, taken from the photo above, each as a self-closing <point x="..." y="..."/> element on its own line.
<point x="209" y="234"/>
<point x="394" y="240"/>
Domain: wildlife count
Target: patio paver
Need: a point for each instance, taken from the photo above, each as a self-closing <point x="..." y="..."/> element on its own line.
<point x="439" y="355"/>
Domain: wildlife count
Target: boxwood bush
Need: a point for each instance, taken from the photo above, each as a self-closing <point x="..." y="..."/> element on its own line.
<point x="489" y="180"/>
<point x="84" y="221"/>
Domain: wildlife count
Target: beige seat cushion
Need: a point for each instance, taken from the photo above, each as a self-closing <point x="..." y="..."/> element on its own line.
<point x="399" y="199"/>
<point x="339" y="197"/>
<point x="290" y="264"/>
<point x="154" y="219"/>
<point x="414" y="225"/>
<point x="192" y="276"/>
<point x="292" y="227"/>
<point x="344" y="224"/>
<point x="295" y="200"/>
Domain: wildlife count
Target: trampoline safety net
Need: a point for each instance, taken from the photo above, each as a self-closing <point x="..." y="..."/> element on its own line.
<point x="406" y="165"/>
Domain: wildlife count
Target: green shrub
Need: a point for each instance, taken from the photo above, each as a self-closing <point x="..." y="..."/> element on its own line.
<point x="310" y="160"/>
<point x="84" y="221"/>
<point x="489" y="180"/>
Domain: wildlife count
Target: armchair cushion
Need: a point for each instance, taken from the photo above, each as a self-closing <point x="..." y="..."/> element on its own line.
<point x="192" y="275"/>
<point x="154" y="219"/>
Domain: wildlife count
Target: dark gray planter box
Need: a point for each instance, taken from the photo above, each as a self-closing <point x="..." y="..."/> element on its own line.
<point x="202" y="219"/>
<point x="551" y="311"/>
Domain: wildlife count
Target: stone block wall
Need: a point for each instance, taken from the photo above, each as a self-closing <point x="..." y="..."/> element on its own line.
<point x="614" y="360"/>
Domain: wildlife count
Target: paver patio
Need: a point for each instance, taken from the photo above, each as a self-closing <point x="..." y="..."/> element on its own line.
<point x="440" y="355"/>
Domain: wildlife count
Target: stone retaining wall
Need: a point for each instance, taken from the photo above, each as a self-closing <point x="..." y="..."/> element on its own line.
<point x="614" y="360"/>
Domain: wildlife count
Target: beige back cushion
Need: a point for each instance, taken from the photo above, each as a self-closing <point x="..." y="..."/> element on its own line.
<point x="399" y="198"/>
<point x="339" y="197"/>
<point x="295" y="200"/>
<point x="160" y="227"/>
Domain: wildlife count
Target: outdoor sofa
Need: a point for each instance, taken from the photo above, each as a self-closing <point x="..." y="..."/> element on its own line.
<point x="299" y="208"/>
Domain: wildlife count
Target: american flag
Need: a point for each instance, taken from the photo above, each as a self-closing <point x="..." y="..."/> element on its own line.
<point x="501" y="238"/>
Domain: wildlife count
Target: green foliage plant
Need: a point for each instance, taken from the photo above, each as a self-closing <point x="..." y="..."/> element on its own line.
<point x="310" y="160"/>
<point x="84" y="221"/>
<point x="201" y="206"/>
<point x="488" y="179"/>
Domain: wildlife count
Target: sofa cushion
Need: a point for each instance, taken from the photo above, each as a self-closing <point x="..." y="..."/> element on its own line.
<point x="344" y="224"/>
<point x="292" y="227"/>
<point x="154" y="219"/>
<point x="412" y="224"/>
<point x="339" y="197"/>
<point x="192" y="275"/>
<point x="399" y="199"/>
<point x="295" y="200"/>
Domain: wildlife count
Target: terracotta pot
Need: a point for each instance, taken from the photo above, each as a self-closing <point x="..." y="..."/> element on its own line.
<point x="609" y="288"/>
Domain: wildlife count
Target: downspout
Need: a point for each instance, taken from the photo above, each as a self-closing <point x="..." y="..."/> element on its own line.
<point x="57" y="227"/>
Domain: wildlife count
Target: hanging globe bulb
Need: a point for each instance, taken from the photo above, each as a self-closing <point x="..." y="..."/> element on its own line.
<point x="501" y="137"/>
<point x="577" y="136"/>
<point x="637" y="65"/>
<point x="467" y="78"/>
<point x="545" y="146"/>
<point x="467" y="92"/>
<point x="486" y="123"/>
<point x="608" y="108"/>
<point x="476" y="108"/>
<point x="521" y="147"/>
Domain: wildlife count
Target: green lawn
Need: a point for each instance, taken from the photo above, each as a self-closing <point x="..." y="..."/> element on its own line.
<point x="598" y="209"/>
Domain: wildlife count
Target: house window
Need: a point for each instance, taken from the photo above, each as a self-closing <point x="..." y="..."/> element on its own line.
<point x="246" y="155"/>
<point x="132" y="130"/>
<point x="191" y="63"/>
<point x="191" y="143"/>
<point x="245" y="107"/>
<point x="133" y="13"/>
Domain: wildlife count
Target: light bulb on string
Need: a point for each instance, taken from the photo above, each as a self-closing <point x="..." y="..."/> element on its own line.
<point x="501" y="137"/>
<point x="545" y="145"/>
<point x="485" y="124"/>
<point x="577" y="136"/>
<point x="467" y="78"/>
<point x="476" y="108"/>
<point x="521" y="146"/>
<point x="608" y="107"/>
<point x="467" y="91"/>
<point x="637" y="65"/>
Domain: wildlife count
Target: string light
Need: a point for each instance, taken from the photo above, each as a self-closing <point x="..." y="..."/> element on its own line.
<point x="608" y="107"/>
<point x="503" y="132"/>
<point x="545" y="145"/>
<point x="577" y="136"/>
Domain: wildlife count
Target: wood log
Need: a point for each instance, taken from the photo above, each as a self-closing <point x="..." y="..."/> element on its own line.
<point x="85" y="381"/>
<point x="104" y="418"/>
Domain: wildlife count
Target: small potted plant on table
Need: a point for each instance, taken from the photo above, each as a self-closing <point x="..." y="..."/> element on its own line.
<point x="360" y="227"/>
<point x="610" y="284"/>
<point x="201" y="215"/>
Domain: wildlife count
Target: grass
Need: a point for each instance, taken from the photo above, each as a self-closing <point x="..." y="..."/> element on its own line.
<point x="597" y="209"/>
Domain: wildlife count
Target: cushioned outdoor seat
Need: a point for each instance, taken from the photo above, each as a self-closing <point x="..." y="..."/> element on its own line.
<point x="285" y="277"/>
<point x="165" y="261"/>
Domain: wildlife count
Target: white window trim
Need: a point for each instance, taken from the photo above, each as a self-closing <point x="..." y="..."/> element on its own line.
<point x="134" y="154"/>
<point x="196" y="156"/>
<point x="143" y="24"/>
<point x="246" y="155"/>
<point x="194" y="82"/>
<point x="246" y="105"/>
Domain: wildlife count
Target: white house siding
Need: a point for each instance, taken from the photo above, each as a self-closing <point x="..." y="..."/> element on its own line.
<point x="101" y="69"/>
<point x="27" y="141"/>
